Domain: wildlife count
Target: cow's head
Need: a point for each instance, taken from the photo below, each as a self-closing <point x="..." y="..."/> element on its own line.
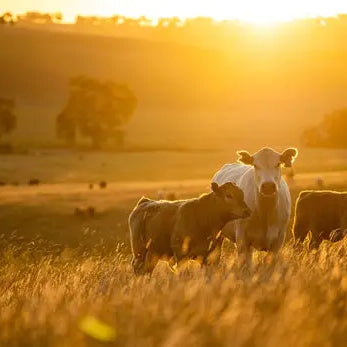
<point x="267" y="167"/>
<point x="229" y="200"/>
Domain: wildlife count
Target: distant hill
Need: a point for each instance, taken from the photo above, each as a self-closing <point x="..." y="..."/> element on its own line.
<point x="187" y="95"/>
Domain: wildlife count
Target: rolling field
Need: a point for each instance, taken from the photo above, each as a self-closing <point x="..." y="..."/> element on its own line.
<point x="66" y="279"/>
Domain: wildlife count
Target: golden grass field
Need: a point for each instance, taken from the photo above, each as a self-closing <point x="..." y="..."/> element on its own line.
<point x="66" y="280"/>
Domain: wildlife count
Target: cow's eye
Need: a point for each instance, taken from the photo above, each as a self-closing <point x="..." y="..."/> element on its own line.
<point x="256" y="166"/>
<point x="228" y="196"/>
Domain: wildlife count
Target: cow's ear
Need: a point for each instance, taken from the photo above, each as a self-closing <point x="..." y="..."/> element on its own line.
<point x="245" y="157"/>
<point x="288" y="156"/>
<point x="214" y="187"/>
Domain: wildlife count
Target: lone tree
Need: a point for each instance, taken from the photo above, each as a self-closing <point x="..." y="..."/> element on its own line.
<point x="7" y="18"/>
<point x="8" y="120"/>
<point x="96" y="110"/>
<point x="330" y="132"/>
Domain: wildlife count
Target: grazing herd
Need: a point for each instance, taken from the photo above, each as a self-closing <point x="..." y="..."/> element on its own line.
<point x="249" y="204"/>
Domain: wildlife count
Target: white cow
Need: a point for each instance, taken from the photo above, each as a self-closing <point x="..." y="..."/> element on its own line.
<point x="267" y="195"/>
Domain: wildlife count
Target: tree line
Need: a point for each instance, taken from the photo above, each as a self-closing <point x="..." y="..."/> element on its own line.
<point x="31" y="17"/>
<point x="99" y="111"/>
<point x="36" y="17"/>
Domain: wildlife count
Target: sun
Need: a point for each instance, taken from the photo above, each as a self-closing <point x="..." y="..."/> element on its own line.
<point x="267" y="12"/>
<point x="264" y="12"/>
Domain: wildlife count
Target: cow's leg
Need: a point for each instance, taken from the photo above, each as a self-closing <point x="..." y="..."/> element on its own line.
<point x="179" y="248"/>
<point x="244" y="250"/>
<point x="273" y="238"/>
<point x="315" y="239"/>
<point x="341" y="232"/>
<point x="144" y="263"/>
<point x="337" y="235"/>
<point x="213" y="255"/>
<point x="275" y="246"/>
<point x="300" y="230"/>
<point x="138" y="263"/>
<point x="172" y="264"/>
<point x="150" y="262"/>
<point x="277" y="242"/>
<point x="245" y="256"/>
<point x="229" y="231"/>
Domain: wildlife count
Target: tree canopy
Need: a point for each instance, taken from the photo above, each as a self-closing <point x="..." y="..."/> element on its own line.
<point x="330" y="132"/>
<point x="6" y="18"/>
<point x="96" y="110"/>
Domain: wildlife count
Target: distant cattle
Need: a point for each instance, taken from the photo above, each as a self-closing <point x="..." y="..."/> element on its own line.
<point x="182" y="229"/>
<point x="267" y="195"/>
<point x="163" y="195"/>
<point x="84" y="212"/>
<point x="319" y="182"/>
<point x="34" y="182"/>
<point x="323" y="214"/>
<point x="91" y="211"/>
<point x="2" y="183"/>
<point x="171" y="196"/>
<point x="78" y="211"/>
<point x="103" y="184"/>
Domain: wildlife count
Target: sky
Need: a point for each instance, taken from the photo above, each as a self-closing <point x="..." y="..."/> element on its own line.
<point x="256" y="11"/>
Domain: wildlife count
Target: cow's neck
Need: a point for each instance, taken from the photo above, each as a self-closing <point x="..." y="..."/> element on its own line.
<point x="267" y="207"/>
<point x="212" y="220"/>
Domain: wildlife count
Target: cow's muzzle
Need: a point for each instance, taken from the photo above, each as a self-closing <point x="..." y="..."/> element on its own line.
<point x="268" y="188"/>
<point x="246" y="213"/>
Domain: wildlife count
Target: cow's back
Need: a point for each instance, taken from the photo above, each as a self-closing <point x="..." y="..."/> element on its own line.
<point x="230" y="173"/>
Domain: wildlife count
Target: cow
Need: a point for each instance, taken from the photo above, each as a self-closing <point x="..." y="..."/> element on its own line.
<point x="322" y="213"/>
<point x="267" y="195"/>
<point x="34" y="182"/>
<point x="182" y="229"/>
<point x="102" y="184"/>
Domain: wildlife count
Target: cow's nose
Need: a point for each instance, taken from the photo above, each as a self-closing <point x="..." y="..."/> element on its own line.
<point x="268" y="188"/>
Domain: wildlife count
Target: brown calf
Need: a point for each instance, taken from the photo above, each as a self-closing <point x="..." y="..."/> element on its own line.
<point x="182" y="229"/>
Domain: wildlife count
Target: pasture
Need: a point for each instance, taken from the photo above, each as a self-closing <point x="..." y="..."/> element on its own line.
<point x="58" y="269"/>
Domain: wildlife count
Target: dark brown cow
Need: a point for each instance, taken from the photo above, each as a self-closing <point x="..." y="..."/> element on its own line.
<point x="323" y="214"/>
<point x="182" y="229"/>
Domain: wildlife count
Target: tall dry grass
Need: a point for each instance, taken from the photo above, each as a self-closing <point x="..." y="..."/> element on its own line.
<point x="298" y="300"/>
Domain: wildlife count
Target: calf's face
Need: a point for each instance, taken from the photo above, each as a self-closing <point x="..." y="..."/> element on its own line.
<point x="230" y="200"/>
<point x="267" y="168"/>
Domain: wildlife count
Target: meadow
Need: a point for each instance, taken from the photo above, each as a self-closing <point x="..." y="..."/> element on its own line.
<point x="300" y="300"/>
<point x="66" y="279"/>
<point x="65" y="273"/>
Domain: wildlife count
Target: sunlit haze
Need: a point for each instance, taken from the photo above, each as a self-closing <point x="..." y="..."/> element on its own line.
<point x="254" y="11"/>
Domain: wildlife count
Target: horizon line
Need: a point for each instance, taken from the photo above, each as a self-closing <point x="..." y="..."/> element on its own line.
<point x="154" y="19"/>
